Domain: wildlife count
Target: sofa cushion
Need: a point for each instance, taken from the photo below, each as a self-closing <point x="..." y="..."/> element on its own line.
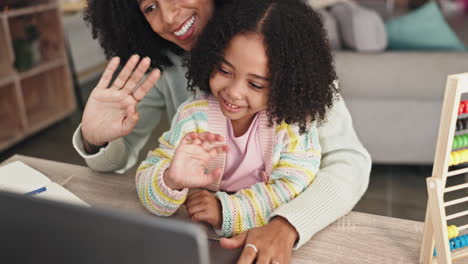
<point x="423" y="29"/>
<point x="397" y="74"/>
<point x="329" y="23"/>
<point x="361" y="29"/>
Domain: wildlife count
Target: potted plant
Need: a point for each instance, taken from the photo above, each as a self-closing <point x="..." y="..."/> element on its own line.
<point x="27" y="50"/>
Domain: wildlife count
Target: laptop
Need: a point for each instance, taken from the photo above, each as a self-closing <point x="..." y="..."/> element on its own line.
<point x="42" y="231"/>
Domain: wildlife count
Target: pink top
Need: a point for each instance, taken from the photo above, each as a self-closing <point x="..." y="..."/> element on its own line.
<point x="244" y="162"/>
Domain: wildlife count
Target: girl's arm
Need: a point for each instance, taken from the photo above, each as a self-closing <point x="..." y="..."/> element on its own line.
<point x="340" y="183"/>
<point x="153" y="192"/>
<point x="298" y="162"/>
<point x="179" y="163"/>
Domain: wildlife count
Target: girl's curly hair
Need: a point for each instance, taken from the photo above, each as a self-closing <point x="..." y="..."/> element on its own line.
<point x="122" y="30"/>
<point x="301" y="72"/>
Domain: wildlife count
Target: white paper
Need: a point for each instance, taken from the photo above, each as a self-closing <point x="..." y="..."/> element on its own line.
<point x="18" y="177"/>
<point x="59" y="193"/>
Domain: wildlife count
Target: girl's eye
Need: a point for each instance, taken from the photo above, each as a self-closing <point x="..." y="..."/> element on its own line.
<point x="150" y="8"/>
<point x="256" y="86"/>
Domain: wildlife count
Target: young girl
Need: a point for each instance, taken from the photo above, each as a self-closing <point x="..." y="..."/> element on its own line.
<point x="266" y="78"/>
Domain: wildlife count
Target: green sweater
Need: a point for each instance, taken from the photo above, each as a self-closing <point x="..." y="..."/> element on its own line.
<point x="341" y="181"/>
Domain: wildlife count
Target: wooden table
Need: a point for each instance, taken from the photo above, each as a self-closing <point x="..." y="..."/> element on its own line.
<point x="355" y="238"/>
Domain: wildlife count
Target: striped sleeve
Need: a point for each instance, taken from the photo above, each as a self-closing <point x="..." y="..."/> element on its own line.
<point x="153" y="193"/>
<point x="296" y="160"/>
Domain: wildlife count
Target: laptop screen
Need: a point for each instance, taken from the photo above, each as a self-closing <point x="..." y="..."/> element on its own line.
<point x="41" y="231"/>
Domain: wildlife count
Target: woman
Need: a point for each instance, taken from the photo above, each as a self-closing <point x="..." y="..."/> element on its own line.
<point x="113" y="131"/>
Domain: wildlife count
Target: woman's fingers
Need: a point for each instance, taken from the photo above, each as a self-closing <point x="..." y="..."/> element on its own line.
<point x="136" y="76"/>
<point x="125" y="73"/>
<point x="248" y="255"/>
<point x="146" y="86"/>
<point x="234" y="242"/>
<point x="108" y="73"/>
<point x="263" y="259"/>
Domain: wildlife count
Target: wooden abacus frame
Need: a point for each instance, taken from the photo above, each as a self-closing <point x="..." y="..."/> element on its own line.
<point x="435" y="226"/>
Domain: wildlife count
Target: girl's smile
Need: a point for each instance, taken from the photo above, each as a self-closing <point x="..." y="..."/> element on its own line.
<point x="231" y="107"/>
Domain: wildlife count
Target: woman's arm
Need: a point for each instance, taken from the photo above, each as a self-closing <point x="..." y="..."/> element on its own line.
<point x="340" y="183"/>
<point x="293" y="171"/>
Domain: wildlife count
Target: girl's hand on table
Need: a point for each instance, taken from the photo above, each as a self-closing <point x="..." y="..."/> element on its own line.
<point x="110" y="112"/>
<point x="271" y="243"/>
<point x="203" y="206"/>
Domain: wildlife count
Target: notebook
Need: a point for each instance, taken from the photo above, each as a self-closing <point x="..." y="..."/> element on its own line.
<point x="17" y="177"/>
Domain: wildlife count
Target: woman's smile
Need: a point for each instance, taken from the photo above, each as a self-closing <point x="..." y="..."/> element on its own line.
<point x="178" y="21"/>
<point x="186" y="29"/>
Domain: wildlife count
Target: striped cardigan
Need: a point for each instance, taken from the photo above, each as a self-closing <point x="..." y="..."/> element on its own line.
<point x="291" y="162"/>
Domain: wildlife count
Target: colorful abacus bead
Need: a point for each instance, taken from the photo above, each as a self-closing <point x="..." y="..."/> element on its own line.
<point x="454" y="158"/>
<point x="456" y="243"/>
<point x="452" y="231"/>
<point x="461" y="108"/>
<point x="456" y="142"/>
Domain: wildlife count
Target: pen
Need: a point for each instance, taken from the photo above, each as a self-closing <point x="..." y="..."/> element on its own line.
<point x="42" y="189"/>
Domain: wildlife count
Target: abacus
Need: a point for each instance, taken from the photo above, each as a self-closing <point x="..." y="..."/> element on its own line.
<point x="451" y="150"/>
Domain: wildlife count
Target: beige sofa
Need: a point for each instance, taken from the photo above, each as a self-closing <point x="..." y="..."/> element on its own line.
<point x="395" y="99"/>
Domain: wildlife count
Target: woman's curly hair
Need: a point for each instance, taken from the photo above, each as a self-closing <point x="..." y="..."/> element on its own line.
<point x="301" y="72"/>
<point x="122" y="30"/>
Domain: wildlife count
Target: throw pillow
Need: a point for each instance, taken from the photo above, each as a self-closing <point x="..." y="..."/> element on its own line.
<point x="423" y="29"/>
<point x="361" y="29"/>
<point x="331" y="28"/>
